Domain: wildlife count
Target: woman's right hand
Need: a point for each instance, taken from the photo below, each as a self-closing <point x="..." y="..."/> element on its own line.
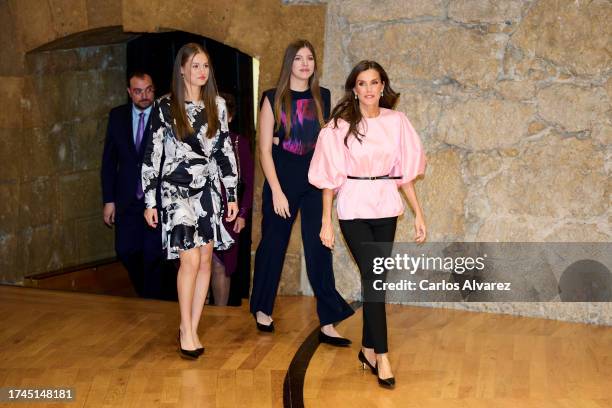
<point x="150" y="215"/>
<point x="327" y="234"/>
<point x="281" y="205"/>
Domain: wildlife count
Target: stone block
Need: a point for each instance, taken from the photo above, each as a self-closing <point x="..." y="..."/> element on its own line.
<point x="295" y="242"/>
<point x="11" y="265"/>
<point x="431" y="51"/>
<point x="334" y="63"/>
<point x="9" y="207"/>
<point x="574" y="108"/>
<point x="38" y="202"/>
<point x="206" y="17"/>
<point x="51" y="98"/>
<point x="423" y="107"/>
<point x="552" y="177"/>
<point x="346" y="272"/>
<point x="516" y="90"/>
<point x="88" y="143"/>
<point x="52" y="62"/>
<point x="442" y="195"/>
<point x="12" y="61"/>
<point x="104" y="13"/>
<point x="11" y="90"/>
<point x="98" y="92"/>
<point x="48" y="151"/>
<point x="260" y="42"/>
<point x="33" y="22"/>
<point x="499" y="227"/>
<point x="94" y="239"/>
<point x="551" y="26"/>
<point x="102" y="58"/>
<point x="372" y="11"/>
<point x="602" y="134"/>
<point x="80" y="195"/>
<point x="42" y="248"/>
<point x="290" y="278"/>
<point x="481" y="124"/>
<point x="486" y="11"/>
<point x="579" y="232"/>
<point x="483" y="163"/>
<point x="11" y="154"/>
<point x="69" y="16"/>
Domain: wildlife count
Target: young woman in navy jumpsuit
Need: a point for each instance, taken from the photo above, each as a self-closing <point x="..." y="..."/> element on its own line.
<point x="287" y="143"/>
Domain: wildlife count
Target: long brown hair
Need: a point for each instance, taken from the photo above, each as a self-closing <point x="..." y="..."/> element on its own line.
<point x="208" y="94"/>
<point x="348" y="107"/>
<point x="282" y="97"/>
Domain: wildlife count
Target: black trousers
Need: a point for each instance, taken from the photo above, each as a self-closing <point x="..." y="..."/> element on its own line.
<point x="139" y="248"/>
<point x="357" y="233"/>
<point x="292" y="171"/>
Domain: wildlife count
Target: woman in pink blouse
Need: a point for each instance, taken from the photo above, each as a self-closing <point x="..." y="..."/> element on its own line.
<point x="363" y="154"/>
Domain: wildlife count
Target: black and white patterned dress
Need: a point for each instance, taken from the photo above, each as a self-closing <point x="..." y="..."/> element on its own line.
<point x="190" y="178"/>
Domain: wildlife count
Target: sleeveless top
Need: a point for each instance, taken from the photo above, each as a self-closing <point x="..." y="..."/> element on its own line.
<point x="304" y="121"/>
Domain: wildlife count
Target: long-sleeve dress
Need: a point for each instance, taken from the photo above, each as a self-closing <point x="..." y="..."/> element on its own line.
<point x="193" y="169"/>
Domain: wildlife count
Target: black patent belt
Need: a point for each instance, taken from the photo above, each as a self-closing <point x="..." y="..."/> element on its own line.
<point x="387" y="177"/>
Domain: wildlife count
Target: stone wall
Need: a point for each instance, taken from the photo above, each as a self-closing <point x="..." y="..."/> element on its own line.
<point x="42" y="182"/>
<point x="512" y="101"/>
<point x="53" y="214"/>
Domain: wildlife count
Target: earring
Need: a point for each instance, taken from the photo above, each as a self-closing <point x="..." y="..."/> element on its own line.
<point x="355" y="96"/>
<point x="381" y="94"/>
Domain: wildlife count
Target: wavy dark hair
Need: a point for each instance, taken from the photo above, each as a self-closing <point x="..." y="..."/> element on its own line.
<point x="282" y="97"/>
<point x="348" y="107"/>
<point x="208" y="94"/>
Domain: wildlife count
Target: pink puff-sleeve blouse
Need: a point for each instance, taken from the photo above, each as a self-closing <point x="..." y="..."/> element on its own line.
<point x="391" y="146"/>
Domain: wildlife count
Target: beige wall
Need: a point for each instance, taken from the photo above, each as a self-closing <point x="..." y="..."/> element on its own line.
<point x="512" y="101"/>
<point x="49" y="195"/>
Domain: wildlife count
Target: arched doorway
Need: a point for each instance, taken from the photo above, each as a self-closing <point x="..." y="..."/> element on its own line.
<point x="74" y="82"/>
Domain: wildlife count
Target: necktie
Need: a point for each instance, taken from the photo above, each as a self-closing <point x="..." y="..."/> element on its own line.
<point x="139" y="132"/>
<point x="137" y="143"/>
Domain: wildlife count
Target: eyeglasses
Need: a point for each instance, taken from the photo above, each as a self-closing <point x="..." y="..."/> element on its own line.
<point x="147" y="90"/>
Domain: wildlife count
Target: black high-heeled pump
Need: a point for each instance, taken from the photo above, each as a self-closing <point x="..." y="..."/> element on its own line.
<point x="266" y="328"/>
<point x="333" y="341"/>
<point x="187" y="354"/>
<point x="386" y="382"/>
<point x="383" y="382"/>
<point x="366" y="363"/>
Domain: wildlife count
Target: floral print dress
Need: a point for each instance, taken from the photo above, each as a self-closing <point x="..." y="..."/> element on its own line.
<point x="191" y="177"/>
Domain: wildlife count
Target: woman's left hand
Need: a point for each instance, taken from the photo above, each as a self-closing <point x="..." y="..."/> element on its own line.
<point x="239" y="225"/>
<point x="232" y="211"/>
<point x="420" y="231"/>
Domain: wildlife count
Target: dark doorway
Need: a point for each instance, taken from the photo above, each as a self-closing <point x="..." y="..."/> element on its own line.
<point x="155" y="53"/>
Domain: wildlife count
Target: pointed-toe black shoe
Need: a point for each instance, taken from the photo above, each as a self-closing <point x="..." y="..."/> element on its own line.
<point x="333" y="341"/>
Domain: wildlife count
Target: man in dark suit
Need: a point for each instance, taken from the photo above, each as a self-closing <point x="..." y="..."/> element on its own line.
<point x="138" y="246"/>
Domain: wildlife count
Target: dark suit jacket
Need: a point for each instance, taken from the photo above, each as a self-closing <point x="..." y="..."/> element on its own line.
<point x="121" y="164"/>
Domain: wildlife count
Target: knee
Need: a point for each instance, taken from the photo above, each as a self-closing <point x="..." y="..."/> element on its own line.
<point x="205" y="259"/>
<point x="189" y="264"/>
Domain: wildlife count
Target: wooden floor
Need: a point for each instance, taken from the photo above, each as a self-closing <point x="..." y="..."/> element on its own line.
<point x="121" y="352"/>
<point x="448" y="358"/>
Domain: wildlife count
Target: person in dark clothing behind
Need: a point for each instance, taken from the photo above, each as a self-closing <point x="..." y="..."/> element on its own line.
<point x="138" y="247"/>
<point x="225" y="262"/>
